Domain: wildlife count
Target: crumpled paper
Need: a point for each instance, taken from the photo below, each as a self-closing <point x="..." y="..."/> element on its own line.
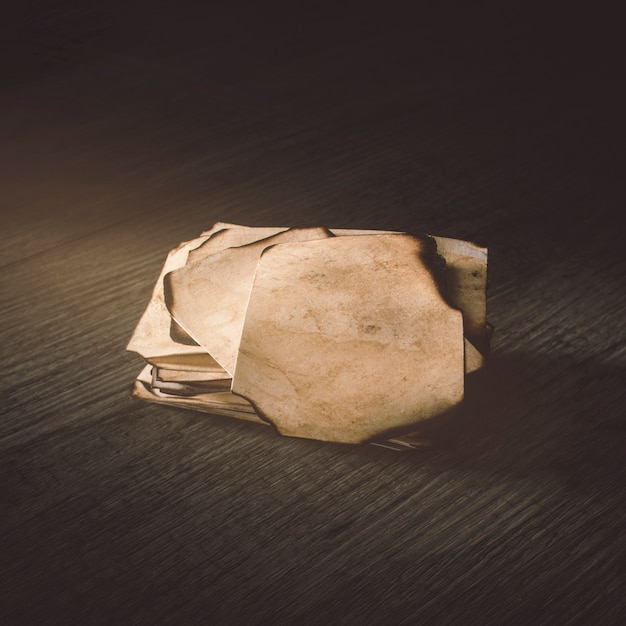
<point x="338" y="335"/>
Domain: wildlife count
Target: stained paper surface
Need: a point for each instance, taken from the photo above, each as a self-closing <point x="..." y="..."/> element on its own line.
<point x="339" y="335"/>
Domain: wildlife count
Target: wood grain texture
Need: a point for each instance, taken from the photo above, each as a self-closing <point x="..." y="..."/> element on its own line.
<point x="126" y="129"/>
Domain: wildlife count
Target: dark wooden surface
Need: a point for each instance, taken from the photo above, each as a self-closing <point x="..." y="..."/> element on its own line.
<point x="126" y="129"/>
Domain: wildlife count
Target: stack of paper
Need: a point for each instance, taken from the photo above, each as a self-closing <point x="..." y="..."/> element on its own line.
<point x="339" y="335"/>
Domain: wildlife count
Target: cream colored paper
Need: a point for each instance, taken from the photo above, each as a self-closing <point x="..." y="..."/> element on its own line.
<point x="340" y="335"/>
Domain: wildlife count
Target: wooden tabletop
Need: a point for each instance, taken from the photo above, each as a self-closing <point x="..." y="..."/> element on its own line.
<point x="128" y="128"/>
